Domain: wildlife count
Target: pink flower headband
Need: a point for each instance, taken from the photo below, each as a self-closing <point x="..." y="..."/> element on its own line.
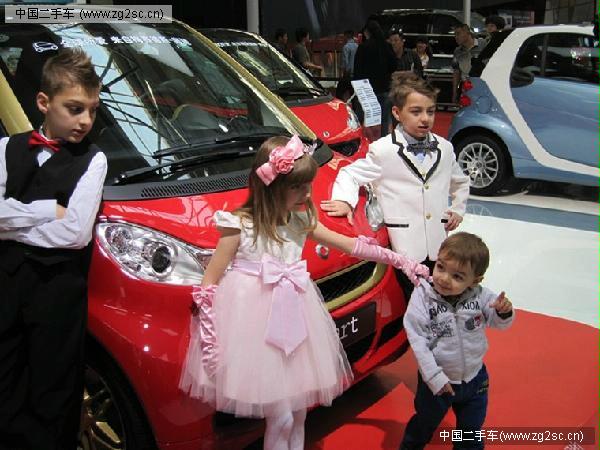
<point x="281" y="159"/>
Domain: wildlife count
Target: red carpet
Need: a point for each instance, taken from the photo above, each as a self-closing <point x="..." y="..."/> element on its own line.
<point x="543" y="373"/>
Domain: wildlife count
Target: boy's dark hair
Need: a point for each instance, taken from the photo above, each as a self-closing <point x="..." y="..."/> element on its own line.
<point x="301" y="33"/>
<point x="349" y="34"/>
<point x="404" y="82"/>
<point x="70" y="66"/>
<point x="467" y="248"/>
<point x="279" y="33"/>
<point x="496" y="20"/>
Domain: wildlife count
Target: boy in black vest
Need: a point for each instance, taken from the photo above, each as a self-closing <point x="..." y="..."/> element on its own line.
<point x="50" y="190"/>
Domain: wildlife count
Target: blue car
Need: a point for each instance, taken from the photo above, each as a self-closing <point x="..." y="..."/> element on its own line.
<point x="530" y="109"/>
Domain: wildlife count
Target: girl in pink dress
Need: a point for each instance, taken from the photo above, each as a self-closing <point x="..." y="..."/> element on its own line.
<point x="262" y="342"/>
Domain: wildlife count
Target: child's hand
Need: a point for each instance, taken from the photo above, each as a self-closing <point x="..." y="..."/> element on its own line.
<point x="502" y="304"/>
<point x="61" y="211"/>
<point x="447" y="389"/>
<point x="338" y="208"/>
<point x="454" y="221"/>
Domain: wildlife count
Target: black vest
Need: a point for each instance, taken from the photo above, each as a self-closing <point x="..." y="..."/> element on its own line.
<point x="56" y="180"/>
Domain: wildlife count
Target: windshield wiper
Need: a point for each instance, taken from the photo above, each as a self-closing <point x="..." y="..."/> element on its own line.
<point x="129" y="175"/>
<point x="217" y="141"/>
<point x="299" y="90"/>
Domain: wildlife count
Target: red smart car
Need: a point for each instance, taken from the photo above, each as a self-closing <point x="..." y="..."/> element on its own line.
<point x="329" y="118"/>
<point x="179" y="122"/>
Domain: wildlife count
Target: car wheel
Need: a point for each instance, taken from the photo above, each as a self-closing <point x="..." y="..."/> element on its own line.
<point x="111" y="415"/>
<point x="484" y="160"/>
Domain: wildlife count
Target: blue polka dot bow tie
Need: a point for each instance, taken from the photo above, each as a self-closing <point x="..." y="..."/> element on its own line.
<point x="422" y="147"/>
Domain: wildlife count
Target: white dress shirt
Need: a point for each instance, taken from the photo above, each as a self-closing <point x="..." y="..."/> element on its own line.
<point x="36" y="224"/>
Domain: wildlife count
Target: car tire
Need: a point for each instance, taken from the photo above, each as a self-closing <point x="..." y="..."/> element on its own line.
<point x="112" y="417"/>
<point x="484" y="160"/>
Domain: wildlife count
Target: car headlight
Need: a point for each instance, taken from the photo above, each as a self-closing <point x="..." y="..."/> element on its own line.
<point x="152" y="255"/>
<point x="353" y="122"/>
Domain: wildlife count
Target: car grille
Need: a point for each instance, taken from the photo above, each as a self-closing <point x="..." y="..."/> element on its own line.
<point x="391" y="330"/>
<point x="347" y="148"/>
<point x="344" y="286"/>
<point x="359" y="349"/>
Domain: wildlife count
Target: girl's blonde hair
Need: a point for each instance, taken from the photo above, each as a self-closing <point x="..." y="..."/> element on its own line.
<point x="265" y="205"/>
<point x="404" y="83"/>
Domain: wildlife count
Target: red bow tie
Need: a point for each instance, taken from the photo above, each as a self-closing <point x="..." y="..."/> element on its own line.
<point x="37" y="140"/>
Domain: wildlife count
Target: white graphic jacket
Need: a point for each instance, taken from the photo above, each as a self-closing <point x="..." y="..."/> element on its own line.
<point x="448" y="341"/>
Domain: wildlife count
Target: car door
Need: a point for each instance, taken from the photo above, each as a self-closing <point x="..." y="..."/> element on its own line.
<point x="560" y="102"/>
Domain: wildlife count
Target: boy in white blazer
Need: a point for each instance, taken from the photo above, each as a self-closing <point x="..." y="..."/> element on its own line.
<point x="413" y="171"/>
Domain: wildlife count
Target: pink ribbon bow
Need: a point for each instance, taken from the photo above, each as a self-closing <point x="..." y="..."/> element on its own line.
<point x="286" y="328"/>
<point x="281" y="159"/>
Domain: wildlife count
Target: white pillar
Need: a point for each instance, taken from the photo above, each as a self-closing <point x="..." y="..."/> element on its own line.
<point x="467" y="11"/>
<point x="252" y="21"/>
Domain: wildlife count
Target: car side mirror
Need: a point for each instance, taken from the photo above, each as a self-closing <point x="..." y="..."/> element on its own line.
<point x="520" y="77"/>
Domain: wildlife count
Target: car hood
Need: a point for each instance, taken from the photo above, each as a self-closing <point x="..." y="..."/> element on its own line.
<point x="335" y="128"/>
<point x="190" y="218"/>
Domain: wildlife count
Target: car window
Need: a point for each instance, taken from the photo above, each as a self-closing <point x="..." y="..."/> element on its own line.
<point x="271" y="67"/>
<point x="571" y="56"/>
<point x="413" y="23"/>
<point x="444" y="24"/>
<point x="529" y="57"/>
<point x="162" y="88"/>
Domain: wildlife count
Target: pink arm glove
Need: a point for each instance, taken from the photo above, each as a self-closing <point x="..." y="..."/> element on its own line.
<point x="367" y="248"/>
<point x="202" y="308"/>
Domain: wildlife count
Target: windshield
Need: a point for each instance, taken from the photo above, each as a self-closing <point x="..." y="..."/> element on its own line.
<point x="163" y="88"/>
<point x="266" y="63"/>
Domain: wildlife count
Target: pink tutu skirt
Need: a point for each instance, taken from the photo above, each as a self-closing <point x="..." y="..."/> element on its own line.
<point x="256" y="379"/>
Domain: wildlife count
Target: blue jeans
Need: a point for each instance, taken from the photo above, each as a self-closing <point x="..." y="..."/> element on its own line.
<point x="469" y="404"/>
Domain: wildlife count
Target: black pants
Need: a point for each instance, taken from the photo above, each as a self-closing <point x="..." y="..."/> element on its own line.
<point x="469" y="403"/>
<point x="405" y="283"/>
<point x="43" y="313"/>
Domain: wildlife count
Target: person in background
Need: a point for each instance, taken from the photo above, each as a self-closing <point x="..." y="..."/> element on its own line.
<point x="348" y="53"/>
<point x="344" y="87"/>
<point x="468" y="47"/>
<point x="406" y="60"/>
<point x="494" y="23"/>
<point x="281" y="41"/>
<point x="375" y="61"/>
<point x="423" y="51"/>
<point x="300" y="52"/>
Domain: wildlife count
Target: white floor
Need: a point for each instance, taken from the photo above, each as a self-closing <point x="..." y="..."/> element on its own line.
<point x="544" y="249"/>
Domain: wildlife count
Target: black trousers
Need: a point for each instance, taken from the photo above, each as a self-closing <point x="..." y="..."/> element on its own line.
<point x="405" y="283"/>
<point x="43" y="314"/>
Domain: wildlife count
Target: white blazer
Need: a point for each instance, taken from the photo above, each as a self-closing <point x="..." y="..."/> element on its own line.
<point x="413" y="196"/>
